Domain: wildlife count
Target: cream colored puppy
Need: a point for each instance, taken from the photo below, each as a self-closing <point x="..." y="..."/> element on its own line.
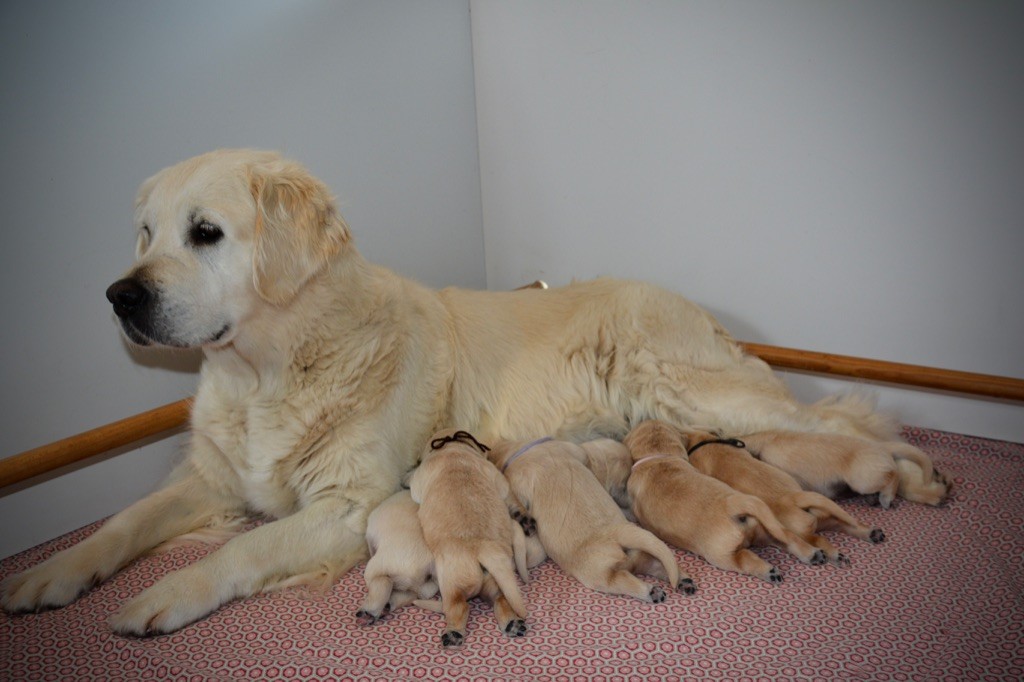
<point x="832" y="463"/>
<point x="323" y="374"/>
<point x="802" y="511"/>
<point x="580" y="525"/>
<point x="401" y="567"/>
<point x="699" y="513"/>
<point x="464" y="512"/>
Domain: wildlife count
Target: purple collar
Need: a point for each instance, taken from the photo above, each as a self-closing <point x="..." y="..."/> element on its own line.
<point x="523" y="449"/>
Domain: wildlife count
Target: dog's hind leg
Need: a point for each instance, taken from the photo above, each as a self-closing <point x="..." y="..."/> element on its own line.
<point x="456" y="616"/>
<point x="508" y="620"/>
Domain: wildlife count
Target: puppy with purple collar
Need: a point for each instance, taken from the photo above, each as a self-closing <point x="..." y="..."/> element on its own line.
<point x="578" y="523"/>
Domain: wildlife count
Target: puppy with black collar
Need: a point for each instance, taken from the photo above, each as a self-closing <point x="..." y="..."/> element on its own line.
<point x="801" y="511"/>
<point x="699" y="513"/>
<point x="477" y="546"/>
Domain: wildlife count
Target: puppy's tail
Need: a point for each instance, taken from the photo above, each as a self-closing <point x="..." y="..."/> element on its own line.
<point x="429" y="604"/>
<point x="741" y="506"/>
<point x="824" y="508"/>
<point x="901" y="450"/>
<point x="494" y="557"/>
<point x="519" y="553"/>
<point x="632" y="536"/>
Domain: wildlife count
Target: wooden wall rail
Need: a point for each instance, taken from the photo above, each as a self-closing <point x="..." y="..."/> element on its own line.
<point x="47" y="458"/>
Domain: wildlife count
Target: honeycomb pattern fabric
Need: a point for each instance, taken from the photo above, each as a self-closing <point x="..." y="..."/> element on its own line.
<point x="941" y="599"/>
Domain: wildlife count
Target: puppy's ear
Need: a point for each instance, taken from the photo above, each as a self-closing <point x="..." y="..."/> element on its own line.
<point x="298" y="230"/>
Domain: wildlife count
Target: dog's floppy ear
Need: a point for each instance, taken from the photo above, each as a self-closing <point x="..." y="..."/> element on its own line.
<point x="297" y="232"/>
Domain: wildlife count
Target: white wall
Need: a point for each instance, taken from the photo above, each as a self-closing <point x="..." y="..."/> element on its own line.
<point x="843" y="176"/>
<point x="375" y="97"/>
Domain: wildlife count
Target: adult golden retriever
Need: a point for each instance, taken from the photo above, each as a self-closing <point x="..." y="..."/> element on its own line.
<point x="324" y="376"/>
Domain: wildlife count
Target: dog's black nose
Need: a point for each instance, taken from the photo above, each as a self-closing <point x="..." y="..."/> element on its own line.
<point x="127" y="295"/>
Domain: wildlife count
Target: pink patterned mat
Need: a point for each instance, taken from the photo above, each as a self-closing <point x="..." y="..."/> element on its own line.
<point x="941" y="599"/>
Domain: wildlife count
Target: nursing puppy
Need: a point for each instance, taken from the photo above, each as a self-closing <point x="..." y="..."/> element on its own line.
<point x="323" y="374"/>
<point x="832" y="464"/>
<point x="401" y="567"/>
<point x="610" y="463"/>
<point x="464" y="512"/>
<point x="699" y="513"/>
<point x="801" y="511"/>
<point x="580" y="525"/>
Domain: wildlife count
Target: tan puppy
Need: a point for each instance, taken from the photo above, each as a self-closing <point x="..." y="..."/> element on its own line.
<point x="802" y="511"/>
<point x="701" y="514"/>
<point x="580" y="525"/>
<point x="401" y="567"/>
<point x="830" y="463"/>
<point x="464" y="511"/>
<point x="610" y="463"/>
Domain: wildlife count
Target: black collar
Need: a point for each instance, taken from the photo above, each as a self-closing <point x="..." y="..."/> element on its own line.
<point x="734" y="442"/>
<point x="458" y="436"/>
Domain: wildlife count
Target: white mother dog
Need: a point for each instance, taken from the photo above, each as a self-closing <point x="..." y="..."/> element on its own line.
<point x="324" y="375"/>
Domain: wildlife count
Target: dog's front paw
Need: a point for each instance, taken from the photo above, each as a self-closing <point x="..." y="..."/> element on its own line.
<point x="452" y="638"/>
<point x="877" y="535"/>
<point x="169" y="605"/>
<point x="50" y="585"/>
<point x="818" y="558"/>
<point x="516" y="628"/>
<point x="775" y="576"/>
<point x="842" y="561"/>
<point x="687" y="586"/>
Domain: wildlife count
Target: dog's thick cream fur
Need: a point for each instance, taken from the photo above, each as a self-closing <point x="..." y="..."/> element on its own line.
<point x="699" y="513"/>
<point x="401" y="568"/>
<point x="804" y="512"/>
<point x="831" y="464"/>
<point x="324" y="375"/>
<point x="579" y="525"/>
<point x="465" y="512"/>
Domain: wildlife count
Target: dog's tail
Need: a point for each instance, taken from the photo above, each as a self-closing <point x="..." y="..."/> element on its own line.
<point x="494" y="557"/>
<point x="519" y="553"/>
<point x="741" y="506"/>
<point x="632" y="536"/>
<point x="824" y="508"/>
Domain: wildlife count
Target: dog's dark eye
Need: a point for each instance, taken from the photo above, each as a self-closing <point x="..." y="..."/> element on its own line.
<point x="204" y="233"/>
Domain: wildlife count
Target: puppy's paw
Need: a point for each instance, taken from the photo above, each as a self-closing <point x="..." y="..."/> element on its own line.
<point x="876" y="536"/>
<point x="526" y="522"/>
<point x="366" y="618"/>
<point x="657" y="594"/>
<point x="687" y="586"/>
<point x="842" y="561"/>
<point x="818" y="558"/>
<point x="515" y="628"/>
<point x="452" y="638"/>
<point x="775" y="576"/>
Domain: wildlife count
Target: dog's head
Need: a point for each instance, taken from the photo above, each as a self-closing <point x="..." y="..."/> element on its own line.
<point x="219" y="236"/>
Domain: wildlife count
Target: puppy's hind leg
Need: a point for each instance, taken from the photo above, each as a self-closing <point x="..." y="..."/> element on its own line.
<point x="745" y="561"/>
<point x="376" y="604"/>
<point x="508" y="620"/>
